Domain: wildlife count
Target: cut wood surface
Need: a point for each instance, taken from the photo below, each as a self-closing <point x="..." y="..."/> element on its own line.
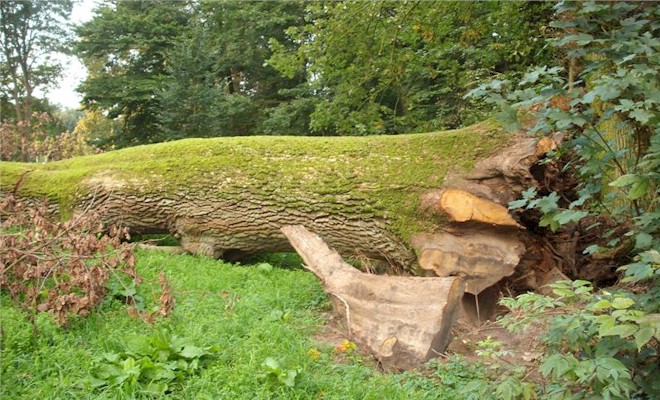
<point x="403" y="321"/>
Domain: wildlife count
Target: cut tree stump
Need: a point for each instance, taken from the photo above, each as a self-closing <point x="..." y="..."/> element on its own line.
<point x="403" y="321"/>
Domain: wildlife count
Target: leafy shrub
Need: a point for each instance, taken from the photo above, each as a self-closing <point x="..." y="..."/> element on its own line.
<point x="150" y="365"/>
<point x="601" y="345"/>
<point x="606" y="101"/>
<point x="59" y="267"/>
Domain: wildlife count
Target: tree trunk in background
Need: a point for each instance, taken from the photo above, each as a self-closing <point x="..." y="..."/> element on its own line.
<point x="434" y="202"/>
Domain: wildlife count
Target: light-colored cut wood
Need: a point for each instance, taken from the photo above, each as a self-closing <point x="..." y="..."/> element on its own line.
<point x="462" y="206"/>
<point x="403" y="321"/>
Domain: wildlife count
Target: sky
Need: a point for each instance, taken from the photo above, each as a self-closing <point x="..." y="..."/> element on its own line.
<point x="64" y="93"/>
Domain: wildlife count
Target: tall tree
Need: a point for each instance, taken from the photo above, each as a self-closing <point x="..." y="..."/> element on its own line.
<point x="219" y="83"/>
<point x="30" y="33"/>
<point x="125" y="49"/>
<point x="391" y="67"/>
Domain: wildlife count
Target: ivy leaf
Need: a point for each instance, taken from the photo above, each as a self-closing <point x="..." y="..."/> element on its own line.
<point x="643" y="240"/>
<point x="508" y="117"/>
<point x="580" y="39"/>
<point x="548" y="203"/>
<point x="517" y="204"/>
<point x="625" y="105"/>
<point x="603" y="92"/>
<point x="549" y="220"/>
<point x="567" y="216"/>
<point x="591" y="249"/>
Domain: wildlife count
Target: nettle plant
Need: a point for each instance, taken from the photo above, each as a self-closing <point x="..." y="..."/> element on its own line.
<point x="607" y="102"/>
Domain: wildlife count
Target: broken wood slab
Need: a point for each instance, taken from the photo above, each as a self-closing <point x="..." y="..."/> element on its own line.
<point x="481" y="257"/>
<point x="403" y="321"/>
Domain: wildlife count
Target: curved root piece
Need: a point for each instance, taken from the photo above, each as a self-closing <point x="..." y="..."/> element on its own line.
<point x="403" y="321"/>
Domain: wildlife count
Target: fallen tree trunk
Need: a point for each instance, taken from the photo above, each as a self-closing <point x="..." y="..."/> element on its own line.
<point x="435" y="200"/>
<point x="403" y="321"/>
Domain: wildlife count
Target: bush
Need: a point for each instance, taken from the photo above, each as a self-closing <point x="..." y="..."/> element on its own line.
<point x="59" y="267"/>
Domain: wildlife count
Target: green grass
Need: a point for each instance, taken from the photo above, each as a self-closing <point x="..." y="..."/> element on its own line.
<point x="231" y="306"/>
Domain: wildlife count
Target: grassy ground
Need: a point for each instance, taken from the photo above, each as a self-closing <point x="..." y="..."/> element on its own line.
<point x="251" y="313"/>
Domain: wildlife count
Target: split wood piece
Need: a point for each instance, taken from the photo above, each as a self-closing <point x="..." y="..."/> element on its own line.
<point x="462" y="206"/>
<point x="480" y="257"/>
<point x="403" y="321"/>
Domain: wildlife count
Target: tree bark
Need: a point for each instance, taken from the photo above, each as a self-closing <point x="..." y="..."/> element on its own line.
<point x="434" y="202"/>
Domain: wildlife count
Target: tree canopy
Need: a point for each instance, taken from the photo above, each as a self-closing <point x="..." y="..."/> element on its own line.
<point x="171" y="70"/>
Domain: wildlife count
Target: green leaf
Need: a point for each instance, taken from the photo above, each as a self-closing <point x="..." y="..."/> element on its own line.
<point x="622" y="303"/>
<point x="641" y="115"/>
<point x="650" y="319"/>
<point x="601" y="305"/>
<point x="289" y="379"/>
<point x="643" y="241"/>
<point x="264" y="267"/>
<point x="155" y="389"/>
<point x="508" y="117"/>
<point x="517" y="204"/>
<point x="190" y="351"/>
<point x="639" y="189"/>
<point x="567" y="216"/>
<point x="643" y="336"/>
<point x="139" y="345"/>
<point x="623" y="330"/>
<point x="625" y="180"/>
<point x="591" y="249"/>
<point x="271" y="364"/>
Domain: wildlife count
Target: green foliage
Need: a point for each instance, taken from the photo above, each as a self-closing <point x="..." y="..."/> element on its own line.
<point x="170" y="70"/>
<point x="601" y="345"/>
<point x="393" y="67"/>
<point x="125" y="48"/>
<point x="217" y="304"/>
<point x="279" y="260"/>
<point x="274" y="372"/>
<point x="609" y="107"/>
<point x="151" y="364"/>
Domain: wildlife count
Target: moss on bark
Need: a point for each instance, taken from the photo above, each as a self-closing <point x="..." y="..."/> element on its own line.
<point x="374" y="177"/>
